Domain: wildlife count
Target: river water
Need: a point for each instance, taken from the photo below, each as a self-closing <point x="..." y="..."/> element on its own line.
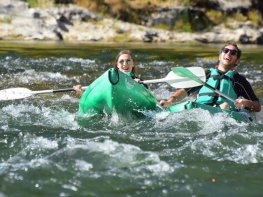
<point x="44" y="152"/>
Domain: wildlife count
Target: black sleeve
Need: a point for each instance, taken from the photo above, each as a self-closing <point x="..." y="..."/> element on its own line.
<point x="195" y="90"/>
<point x="243" y="88"/>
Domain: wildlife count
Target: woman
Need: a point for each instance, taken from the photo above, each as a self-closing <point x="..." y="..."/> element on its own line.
<point x="124" y="62"/>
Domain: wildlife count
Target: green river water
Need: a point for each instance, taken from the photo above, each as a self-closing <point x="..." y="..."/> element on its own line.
<point x="44" y="152"/>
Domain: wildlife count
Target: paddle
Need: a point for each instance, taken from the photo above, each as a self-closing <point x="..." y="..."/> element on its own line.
<point x="183" y="72"/>
<point x="178" y="81"/>
<point x="19" y="93"/>
<point x="173" y="79"/>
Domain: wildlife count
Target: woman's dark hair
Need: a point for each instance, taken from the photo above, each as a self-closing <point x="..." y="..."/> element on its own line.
<point x="128" y="52"/>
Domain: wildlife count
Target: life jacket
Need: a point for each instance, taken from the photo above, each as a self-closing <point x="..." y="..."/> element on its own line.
<point x="131" y="74"/>
<point x="221" y="82"/>
<point x="140" y="81"/>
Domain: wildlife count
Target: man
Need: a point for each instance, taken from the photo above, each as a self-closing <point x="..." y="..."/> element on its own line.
<point x="226" y="79"/>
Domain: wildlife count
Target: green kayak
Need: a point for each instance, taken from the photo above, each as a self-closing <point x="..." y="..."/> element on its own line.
<point x="242" y="116"/>
<point x="117" y="92"/>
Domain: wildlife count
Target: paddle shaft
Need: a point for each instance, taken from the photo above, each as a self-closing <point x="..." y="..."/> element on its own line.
<point x="181" y="71"/>
<point x="52" y="91"/>
<point x="258" y="115"/>
<point x="20" y="93"/>
<point x="166" y="80"/>
<point x="56" y="91"/>
<point x="149" y="81"/>
<point x="217" y="91"/>
<point x="154" y="81"/>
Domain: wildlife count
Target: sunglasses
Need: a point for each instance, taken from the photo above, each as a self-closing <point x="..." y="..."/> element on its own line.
<point x="128" y="61"/>
<point x="232" y="51"/>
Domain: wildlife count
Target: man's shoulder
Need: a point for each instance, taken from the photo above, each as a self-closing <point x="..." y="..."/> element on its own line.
<point x="239" y="76"/>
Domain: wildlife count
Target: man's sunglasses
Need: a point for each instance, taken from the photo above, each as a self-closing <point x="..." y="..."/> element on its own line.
<point x="232" y="51"/>
<point x="128" y="61"/>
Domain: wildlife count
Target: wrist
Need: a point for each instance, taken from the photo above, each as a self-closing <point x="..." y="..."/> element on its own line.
<point x="172" y="99"/>
<point x="249" y="105"/>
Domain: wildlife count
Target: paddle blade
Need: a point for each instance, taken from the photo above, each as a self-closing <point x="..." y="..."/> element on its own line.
<point x="14" y="93"/>
<point x="196" y="79"/>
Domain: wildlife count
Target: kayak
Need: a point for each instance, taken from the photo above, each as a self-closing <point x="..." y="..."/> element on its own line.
<point x="114" y="91"/>
<point x="240" y="116"/>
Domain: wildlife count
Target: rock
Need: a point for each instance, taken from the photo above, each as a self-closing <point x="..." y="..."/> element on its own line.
<point x="149" y="36"/>
<point x="227" y="5"/>
<point x="244" y="39"/>
<point x="12" y="7"/>
<point x="188" y="18"/>
<point x="260" y="39"/>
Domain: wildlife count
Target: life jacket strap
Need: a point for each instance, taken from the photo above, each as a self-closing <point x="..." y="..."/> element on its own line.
<point x="220" y="77"/>
<point x="208" y="94"/>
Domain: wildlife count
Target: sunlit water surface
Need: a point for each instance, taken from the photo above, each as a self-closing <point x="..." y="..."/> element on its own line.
<point x="44" y="151"/>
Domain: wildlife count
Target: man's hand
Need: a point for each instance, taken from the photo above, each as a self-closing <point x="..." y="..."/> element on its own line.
<point x="254" y="106"/>
<point x="165" y="103"/>
<point x="224" y="105"/>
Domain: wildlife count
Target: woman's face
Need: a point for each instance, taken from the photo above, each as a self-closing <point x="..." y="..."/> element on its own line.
<point x="125" y="63"/>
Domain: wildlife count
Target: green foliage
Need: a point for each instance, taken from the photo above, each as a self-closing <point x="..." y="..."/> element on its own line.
<point x="39" y="3"/>
<point x="163" y="26"/>
<point x="32" y="3"/>
<point x="215" y="16"/>
<point x="189" y="2"/>
<point x="6" y="19"/>
<point x="255" y="17"/>
<point x="123" y="38"/>
<point x="183" y="26"/>
<point x="186" y="2"/>
<point x="238" y="16"/>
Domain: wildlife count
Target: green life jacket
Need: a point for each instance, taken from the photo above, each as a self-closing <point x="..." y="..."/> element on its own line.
<point x="222" y="82"/>
<point x="131" y="74"/>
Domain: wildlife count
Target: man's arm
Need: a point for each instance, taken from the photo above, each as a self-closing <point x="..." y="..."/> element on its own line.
<point x="253" y="106"/>
<point x="249" y="100"/>
<point x="178" y="95"/>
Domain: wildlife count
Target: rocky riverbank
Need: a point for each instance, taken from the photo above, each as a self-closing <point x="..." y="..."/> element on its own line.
<point x="72" y="23"/>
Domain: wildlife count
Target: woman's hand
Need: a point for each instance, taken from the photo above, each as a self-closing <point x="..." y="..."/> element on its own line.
<point x="78" y="89"/>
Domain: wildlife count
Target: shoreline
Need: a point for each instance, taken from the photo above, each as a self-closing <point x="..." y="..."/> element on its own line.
<point x="77" y="24"/>
<point x="174" y="45"/>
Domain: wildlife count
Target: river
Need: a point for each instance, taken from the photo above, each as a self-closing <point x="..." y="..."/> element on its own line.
<point x="44" y="152"/>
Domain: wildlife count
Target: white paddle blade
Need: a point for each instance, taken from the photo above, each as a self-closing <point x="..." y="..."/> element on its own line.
<point x="182" y="82"/>
<point x="14" y="93"/>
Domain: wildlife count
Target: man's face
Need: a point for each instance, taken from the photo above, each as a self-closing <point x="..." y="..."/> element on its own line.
<point x="228" y="56"/>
